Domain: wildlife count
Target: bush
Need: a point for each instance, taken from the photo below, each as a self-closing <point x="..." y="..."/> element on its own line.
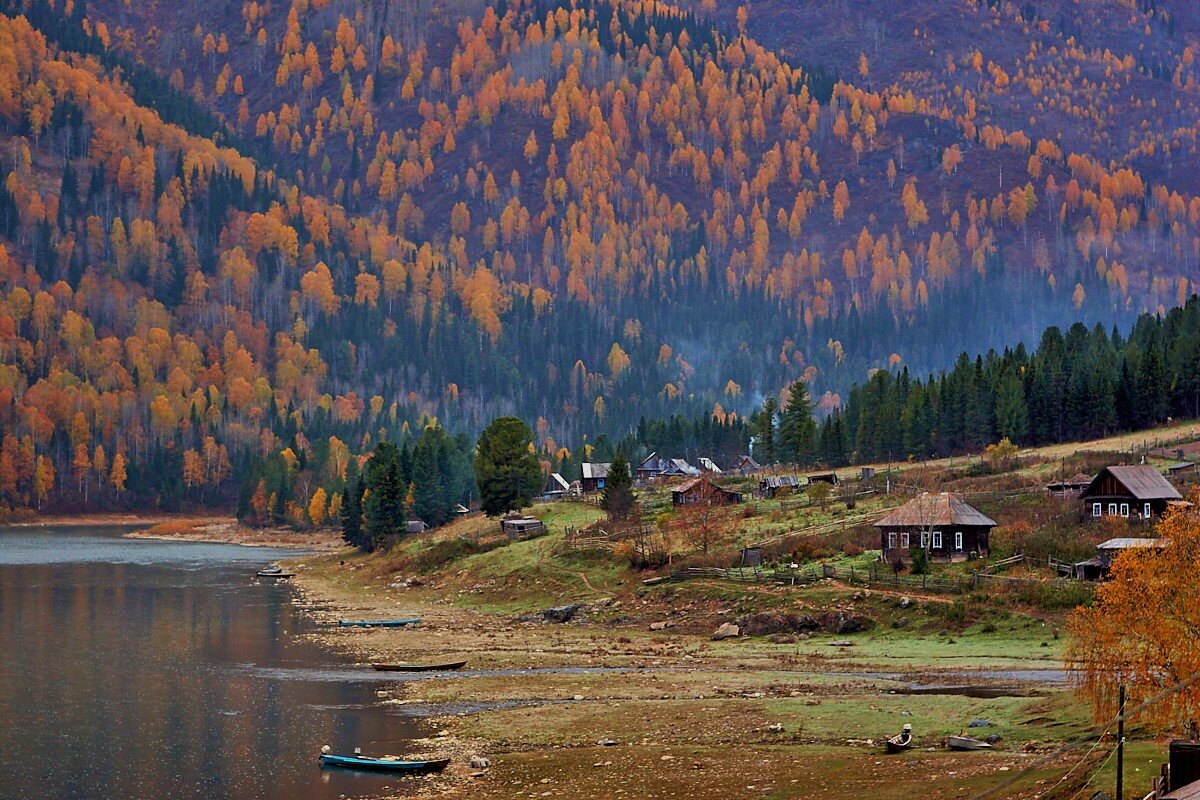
<point x="920" y="561"/>
<point x="851" y="550"/>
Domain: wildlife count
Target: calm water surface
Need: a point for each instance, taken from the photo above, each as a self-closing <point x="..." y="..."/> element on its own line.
<point x="142" y="669"/>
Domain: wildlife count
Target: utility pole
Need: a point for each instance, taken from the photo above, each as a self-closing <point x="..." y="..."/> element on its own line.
<point x="1121" y="744"/>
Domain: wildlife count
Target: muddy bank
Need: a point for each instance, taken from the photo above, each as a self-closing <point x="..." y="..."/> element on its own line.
<point x="613" y="703"/>
<point x="225" y="530"/>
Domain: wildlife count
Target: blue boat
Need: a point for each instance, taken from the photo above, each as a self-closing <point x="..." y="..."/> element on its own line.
<point x="383" y="764"/>
<point x="377" y="623"/>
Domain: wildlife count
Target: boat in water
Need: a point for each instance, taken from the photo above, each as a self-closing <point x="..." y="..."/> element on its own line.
<point x="377" y="623"/>
<point x="274" y="572"/>
<point x="387" y="764"/>
<point x="447" y="666"/>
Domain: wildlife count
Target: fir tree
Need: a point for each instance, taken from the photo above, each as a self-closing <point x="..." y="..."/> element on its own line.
<point x="797" y="428"/>
<point x="506" y="469"/>
<point x="617" y="497"/>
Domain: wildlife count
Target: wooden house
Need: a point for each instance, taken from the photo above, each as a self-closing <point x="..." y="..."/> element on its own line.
<point x="1137" y="491"/>
<point x="702" y="491"/>
<point x="772" y="486"/>
<point x="594" y="476"/>
<point x="743" y="465"/>
<point x="946" y="527"/>
<point x="708" y="466"/>
<point x="414" y="527"/>
<point x="652" y="466"/>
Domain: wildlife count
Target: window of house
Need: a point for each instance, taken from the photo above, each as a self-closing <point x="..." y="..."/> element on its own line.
<point x="1096" y="509"/>
<point x="891" y="541"/>
<point x="1124" y="509"/>
<point x="958" y="540"/>
<point x="924" y="540"/>
<point x="1112" y="509"/>
<point x="937" y="540"/>
<point x="905" y="539"/>
<point x="1146" y="511"/>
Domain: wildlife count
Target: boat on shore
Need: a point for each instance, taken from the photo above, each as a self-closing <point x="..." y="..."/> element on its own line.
<point x="359" y="761"/>
<point x="966" y="743"/>
<point x="447" y="666"/>
<point x="377" y="623"/>
<point x="901" y="741"/>
<point x="274" y="572"/>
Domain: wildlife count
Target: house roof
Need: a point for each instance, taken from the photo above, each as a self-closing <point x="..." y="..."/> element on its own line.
<point x="595" y="470"/>
<point x="744" y="462"/>
<point x="558" y="483"/>
<point x="653" y="463"/>
<point x="1189" y="792"/>
<point x="779" y="481"/>
<point x="708" y="465"/>
<point x="1143" y="481"/>
<point x="683" y="467"/>
<point x="928" y="509"/>
<point x="1130" y="543"/>
<point x="687" y="486"/>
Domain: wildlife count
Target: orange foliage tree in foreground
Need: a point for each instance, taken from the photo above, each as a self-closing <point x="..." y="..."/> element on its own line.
<point x="1144" y="628"/>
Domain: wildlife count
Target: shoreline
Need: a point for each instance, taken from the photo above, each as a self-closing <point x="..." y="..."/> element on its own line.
<point x="226" y="530"/>
<point x="579" y="708"/>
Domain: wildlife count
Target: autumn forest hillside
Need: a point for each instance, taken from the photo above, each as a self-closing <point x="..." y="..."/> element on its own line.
<point x="239" y="231"/>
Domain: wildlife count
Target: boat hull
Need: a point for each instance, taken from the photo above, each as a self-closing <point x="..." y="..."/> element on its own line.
<point x="383" y="764"/>
<point x="964" y="743"/>
<point x="377" y="623"/>
<point x="447" y="667"/>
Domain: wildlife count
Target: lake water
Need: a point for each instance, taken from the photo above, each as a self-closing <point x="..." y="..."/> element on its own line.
<point x="135" y="669"/>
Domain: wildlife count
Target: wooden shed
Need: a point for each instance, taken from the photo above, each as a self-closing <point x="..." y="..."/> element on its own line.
<point x="743" y="465"/>
<point x="699" y="491"/>
<point x="946" y="527"/>
<point x="772" y="486"/>
<point x="516" y="527"/>
<point x="1137" y="491"/>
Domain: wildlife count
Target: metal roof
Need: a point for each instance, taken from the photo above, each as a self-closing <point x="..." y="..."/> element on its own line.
<point x="1130" y="543"/>
<point x="1143" y="481"/>
<point x="559" y="481"/>
<point x="1189" y="792"/>
<point x="595" y="470"/>
<point x="928" y="510"/>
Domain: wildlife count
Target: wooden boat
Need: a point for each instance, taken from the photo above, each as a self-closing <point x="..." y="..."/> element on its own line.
<point x="274" y="572"/>
<point x="377" y="623"/>
<point x="383" y="764"/>
<point x="444" y="667"/>
<point x="966" y="743"/>
<point x="900" y="742"/>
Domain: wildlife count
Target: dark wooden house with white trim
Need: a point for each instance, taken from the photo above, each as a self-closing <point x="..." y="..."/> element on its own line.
<point x="595" y="475"/>
<point x="946" y="527"/>
<point x="1135" y="491"/>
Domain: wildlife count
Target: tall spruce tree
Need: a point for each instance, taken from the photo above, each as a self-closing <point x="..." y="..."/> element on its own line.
<point x="617" y="497"/>
<point x="383" y="509"/>
<point x="506" y="469"/>
<point x="352" y="508"/>
<point x="797" y="428"/>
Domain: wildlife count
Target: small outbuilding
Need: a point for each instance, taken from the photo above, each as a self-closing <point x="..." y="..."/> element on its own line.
<point x="1070" y="487"/>
<point x="594" y="476"/>
<point x="946" y="527"/>
<point x="702" y="491"/>
<point x="518" y="526"/>
<point x="1106" y="552"/>
<point x="1137" y="491"/>
<point x="556" y="486"/>
<point x="772" y="486"/>
<point x="824" y="477"/>
<point x="414" y="526"/>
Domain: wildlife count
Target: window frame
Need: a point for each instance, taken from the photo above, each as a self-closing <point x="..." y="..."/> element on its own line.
<point x="1097" y="510"/>
<point x="891" y="540"/>
<point x="906" y="540"/>
<point x="1124" y="509"/>
<point x="937" y="540"/>
<point x="1112" y="509"/>
<point x="958" y="540"/>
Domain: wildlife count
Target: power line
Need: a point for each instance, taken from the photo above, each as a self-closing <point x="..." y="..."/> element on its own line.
<point x="1086" y="738"/>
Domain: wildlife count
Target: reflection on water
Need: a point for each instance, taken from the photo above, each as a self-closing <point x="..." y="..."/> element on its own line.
<point x="144" y="669"/>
